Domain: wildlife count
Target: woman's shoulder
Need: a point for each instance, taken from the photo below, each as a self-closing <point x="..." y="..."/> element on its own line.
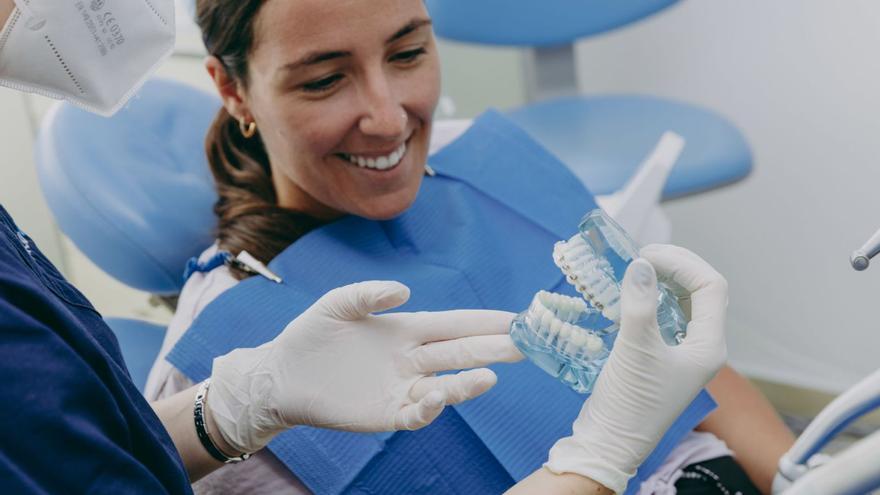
<point x="200" y="290"/>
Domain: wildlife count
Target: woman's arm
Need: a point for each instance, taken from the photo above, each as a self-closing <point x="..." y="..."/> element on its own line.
<point x="749" y="425"/>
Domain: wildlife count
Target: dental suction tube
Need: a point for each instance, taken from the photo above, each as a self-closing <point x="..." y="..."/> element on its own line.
<point x="861" y="258"/>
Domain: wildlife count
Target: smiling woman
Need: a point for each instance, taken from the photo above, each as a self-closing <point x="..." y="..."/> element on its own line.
<point x="327" y="111"/>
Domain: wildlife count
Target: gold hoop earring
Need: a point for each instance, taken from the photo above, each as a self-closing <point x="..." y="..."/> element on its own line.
<point x="247" y="130"/>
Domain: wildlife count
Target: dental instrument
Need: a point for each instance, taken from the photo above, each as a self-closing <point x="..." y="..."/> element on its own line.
<point x="861" y="258"/>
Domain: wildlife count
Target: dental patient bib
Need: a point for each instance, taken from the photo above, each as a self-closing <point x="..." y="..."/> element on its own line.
<point x="479" y="235"/>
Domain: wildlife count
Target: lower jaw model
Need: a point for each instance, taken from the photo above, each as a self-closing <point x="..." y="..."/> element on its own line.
<point x="570" y="338"/>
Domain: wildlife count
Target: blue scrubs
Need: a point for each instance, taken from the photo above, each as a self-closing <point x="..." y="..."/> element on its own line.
<point x="71" y="420"/>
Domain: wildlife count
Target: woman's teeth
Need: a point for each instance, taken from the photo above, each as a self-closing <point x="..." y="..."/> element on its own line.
<point x="380" y="163"/>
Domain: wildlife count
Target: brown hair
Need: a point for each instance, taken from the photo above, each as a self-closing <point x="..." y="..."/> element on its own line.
<point x="249" y="218"/>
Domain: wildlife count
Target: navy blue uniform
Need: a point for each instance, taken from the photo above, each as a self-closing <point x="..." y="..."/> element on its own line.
<point x="71" y="420"/>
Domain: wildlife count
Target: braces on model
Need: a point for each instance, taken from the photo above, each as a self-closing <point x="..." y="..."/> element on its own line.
<point x="590" y="275"/>
<point x="570" y="339"/>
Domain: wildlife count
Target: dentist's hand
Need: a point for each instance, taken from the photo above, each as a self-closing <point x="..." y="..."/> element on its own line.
<point x="646" y="384"/>
<point x="339" y="366"/>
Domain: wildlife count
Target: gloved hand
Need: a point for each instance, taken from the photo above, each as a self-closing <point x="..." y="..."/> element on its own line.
<point x="339" y="366"/>
<point x="645" y="385"/>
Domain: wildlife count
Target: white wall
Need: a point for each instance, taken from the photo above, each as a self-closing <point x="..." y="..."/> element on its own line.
<point x="802" y="79"/>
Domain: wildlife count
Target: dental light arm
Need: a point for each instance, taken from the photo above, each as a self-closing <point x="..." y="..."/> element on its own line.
<point x="861" y="258"/>
<point x="853" y="404"/>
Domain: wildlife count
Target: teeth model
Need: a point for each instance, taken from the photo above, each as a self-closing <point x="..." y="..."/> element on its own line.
<point x="552" y="319"/>
<point x="591" y="275"/>
<point x="551" y="335"/>
<point x="569" y="337"/>
<point x="595" y="262"/>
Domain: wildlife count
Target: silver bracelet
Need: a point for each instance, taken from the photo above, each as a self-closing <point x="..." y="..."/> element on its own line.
<point x="202" y="428"/>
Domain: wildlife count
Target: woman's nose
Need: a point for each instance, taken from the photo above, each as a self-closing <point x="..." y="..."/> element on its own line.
<point x="384" y="116"/>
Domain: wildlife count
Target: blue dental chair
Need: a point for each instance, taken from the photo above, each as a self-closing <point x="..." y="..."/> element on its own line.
<point x="111" y="182"/>
<point x="602" y="138"/>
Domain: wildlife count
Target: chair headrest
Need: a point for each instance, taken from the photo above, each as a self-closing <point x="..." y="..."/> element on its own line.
<point x="133" y="191"/>
<point x="535" y="23"/>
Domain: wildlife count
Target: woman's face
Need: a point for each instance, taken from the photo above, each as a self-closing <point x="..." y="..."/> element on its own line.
<point x="343" y="93"/>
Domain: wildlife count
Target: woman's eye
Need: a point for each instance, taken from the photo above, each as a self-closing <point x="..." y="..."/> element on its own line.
<point x="408" y="56"/>
<point x="321" y="85"/>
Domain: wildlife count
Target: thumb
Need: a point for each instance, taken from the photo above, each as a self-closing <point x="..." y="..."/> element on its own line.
<point x="421" y="414"/>
<point x="638" y="300"/>
<point x="356" y="301"/>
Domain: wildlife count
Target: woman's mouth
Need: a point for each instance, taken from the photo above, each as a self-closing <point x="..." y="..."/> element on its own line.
<point x="381" y="163"/>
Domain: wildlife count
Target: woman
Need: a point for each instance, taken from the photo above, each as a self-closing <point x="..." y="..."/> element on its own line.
<point x="328" y="111"/>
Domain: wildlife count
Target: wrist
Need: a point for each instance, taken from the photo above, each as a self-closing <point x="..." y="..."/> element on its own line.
<point x="572" y="456"/>
<point x="209" y="432"/>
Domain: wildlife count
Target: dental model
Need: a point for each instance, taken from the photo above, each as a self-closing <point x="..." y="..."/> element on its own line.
<point x="551" y="335"/>
<point x="595" y="260"/>
<point x="590" y="275"/>
<point x="569" y="337"/>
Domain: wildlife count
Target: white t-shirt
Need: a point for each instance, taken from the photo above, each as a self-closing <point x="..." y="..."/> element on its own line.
<point x="265" y="474"/>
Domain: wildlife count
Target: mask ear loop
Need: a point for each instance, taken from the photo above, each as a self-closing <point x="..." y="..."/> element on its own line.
<point x="34" y="22"/>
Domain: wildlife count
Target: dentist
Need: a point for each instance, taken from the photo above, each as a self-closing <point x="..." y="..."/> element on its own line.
<point x="71" y="421"/>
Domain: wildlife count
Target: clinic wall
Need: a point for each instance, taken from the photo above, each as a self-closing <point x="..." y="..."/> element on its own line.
<point x="801" y="78"/>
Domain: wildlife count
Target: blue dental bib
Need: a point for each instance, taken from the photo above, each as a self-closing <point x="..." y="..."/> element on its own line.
<point x="479" y="235"/>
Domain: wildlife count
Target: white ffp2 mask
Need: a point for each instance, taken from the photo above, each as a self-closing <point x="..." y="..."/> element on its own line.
<point x="93" y="53"/>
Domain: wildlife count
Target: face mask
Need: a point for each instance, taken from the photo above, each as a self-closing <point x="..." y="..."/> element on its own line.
<point x="93" y="53"/>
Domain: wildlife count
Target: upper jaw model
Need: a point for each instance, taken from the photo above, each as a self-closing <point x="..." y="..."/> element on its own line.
<point x="570" y="338"/>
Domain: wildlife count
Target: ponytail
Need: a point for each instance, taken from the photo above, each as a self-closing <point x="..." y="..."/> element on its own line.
<point x="249" y="218"/>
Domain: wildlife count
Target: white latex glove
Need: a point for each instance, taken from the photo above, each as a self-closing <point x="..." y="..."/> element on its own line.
<point x="645" y="385"/>
<point x="339" y="366"/>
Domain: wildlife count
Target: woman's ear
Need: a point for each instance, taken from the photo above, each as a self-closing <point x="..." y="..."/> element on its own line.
<point x="229" y="89"/>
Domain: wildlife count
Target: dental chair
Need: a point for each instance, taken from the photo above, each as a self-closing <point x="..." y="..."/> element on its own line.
<point x="601" y="137"/>
<point x="134" y="194"/>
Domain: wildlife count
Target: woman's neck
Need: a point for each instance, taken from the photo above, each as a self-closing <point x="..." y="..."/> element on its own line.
<point x="292" y="197"/>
